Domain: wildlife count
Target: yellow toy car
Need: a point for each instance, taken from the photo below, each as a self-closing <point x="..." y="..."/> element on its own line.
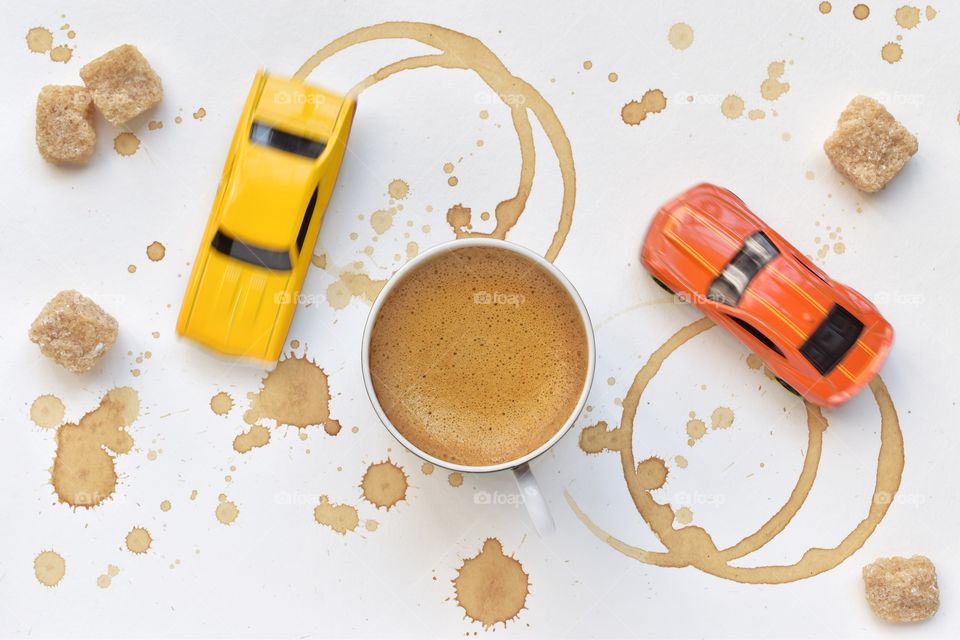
<point x="256" y="248"/>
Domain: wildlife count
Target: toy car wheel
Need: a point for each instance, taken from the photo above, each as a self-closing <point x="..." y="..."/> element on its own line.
<point x="788" y="387"/>
<point x="660" y="283"/>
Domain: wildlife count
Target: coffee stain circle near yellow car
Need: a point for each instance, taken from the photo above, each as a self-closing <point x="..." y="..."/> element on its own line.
<point x="692" y="545"/>
<point x="460" y="51"/>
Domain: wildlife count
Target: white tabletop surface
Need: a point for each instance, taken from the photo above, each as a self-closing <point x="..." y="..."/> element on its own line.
<point x="275" y="571"/>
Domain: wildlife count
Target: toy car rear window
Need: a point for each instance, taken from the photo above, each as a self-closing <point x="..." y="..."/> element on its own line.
<point x="831" y="341"/>
<point x="732" y="282"/>
<point x="268" y="136"/>
<point x="266" y="258"/>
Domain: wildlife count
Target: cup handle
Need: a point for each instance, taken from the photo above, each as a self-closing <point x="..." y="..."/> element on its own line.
<point x="534" y="501"/>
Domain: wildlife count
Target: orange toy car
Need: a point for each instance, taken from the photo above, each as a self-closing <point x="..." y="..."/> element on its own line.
<point x="823" y="340"/>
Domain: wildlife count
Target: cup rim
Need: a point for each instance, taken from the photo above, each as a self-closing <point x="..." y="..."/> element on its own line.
<point x="412" y="265"/>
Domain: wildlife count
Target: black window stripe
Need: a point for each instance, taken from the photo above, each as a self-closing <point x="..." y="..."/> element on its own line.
<point x="756" y="333"/>
<point x="307" y="216"/>
<point x="266" y="258"/>
<point x="832" y="340"/>
<point x="268" y="136"/>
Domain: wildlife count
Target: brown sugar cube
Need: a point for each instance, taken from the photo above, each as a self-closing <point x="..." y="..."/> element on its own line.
<point x="869" y="146"/>
<point x="74" y="331"/>
<point x="123" y="83"/>
<point x="65" y="124"/>
<point x="902" y="589"/>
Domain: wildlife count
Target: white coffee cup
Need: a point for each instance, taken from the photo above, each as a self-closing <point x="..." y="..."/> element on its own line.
<point x="533" y="498"/>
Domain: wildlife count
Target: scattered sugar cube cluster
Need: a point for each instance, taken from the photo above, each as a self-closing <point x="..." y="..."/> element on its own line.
<point x="74" y="331"/>
<point x="120" y="83"/>
<point x="902" y="589"/>
<point x="869" y="146"/>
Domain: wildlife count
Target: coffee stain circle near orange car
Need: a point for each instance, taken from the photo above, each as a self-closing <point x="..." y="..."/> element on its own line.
<point x="460" y="51"/>
<point x="692" y="545"/>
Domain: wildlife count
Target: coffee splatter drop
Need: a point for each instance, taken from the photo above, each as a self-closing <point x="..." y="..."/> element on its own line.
<point x="721" y="418"/>
<point x="839" y="248"/>
<point x="47" y="411"/>
<point x="684" y="515"/>
<point x="398" y="189"/>
<point x="221" y="403"/>
<point x="384" y="484"/>
<point x="39" y="40"/>
<point x="458" y="217"/>
<point x="165" y="506"/>
<point x="126" y="143"/>
<point x="587" y="64"/>
<point x="891" y="52"/>
<point x="353" y="284"/>
<point x="132" y="268"/>
<point x="199" y="114"/>
<point x="491" y="587"/>
<point x="257" y="436"/>
<point x="810" y="175"/>
<point x="156" y="251"/>
<point x="178" y="119"/>
<point x="371" y="525"/>
<point x="382" y="219"/>
<point x="455" y="479"/>
<point x="907" y="17"/>
<point x="63" y="53"/>
<point x="453" y="181"/>
<point x="680" y="36"/>
<point x="652" y="473"/>
<point x="772" y="88"/>
<point x="295" y="393"/>
<point x="49" y="567"/>
<point x="635" y="112"/>
<point x="825" y="7"/>
<point x="339" y="517"/>
<point x="427" y="468"/>
<point x="139" y="540"/>
<point x="83" y="473"/>
<point x="596" y="438"/>
<point x="153" y="125"/>
<point x="680" y="461"/>
<point x="226" y="511"/>
<point x="754" y="361"/>
<point x="612" y="76"/>
<point x="696" y="429"/>
<point x="756" y="114"/>
<point x="732" y="107"/>
<point x="861" y="12"/>
<point x="931" y="13"/>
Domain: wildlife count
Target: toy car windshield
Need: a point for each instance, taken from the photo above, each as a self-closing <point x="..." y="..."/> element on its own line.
<point x="730" y="285"/>
<point x="827" y="346"/>
<point x="266" y="258"/>
<point x="268" y="136"/>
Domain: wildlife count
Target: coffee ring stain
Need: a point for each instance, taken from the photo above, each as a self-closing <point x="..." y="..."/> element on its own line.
<point x="460" y="51"/>
<point x="692" y="545"/>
